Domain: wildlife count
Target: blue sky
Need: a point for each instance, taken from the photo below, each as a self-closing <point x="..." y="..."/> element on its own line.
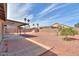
<point x="44" y="13"/>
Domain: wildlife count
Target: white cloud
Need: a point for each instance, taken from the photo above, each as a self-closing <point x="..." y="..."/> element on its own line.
<point x="68" y="18"/>
<point x="51" y="9"/>
<point x="25" y="8"/>
<point x="47" y="9"/>
<point x="46" y="19"/>
<point x="51" y="20"/>
<point x="30" y="16"/>
<point x="15" y="11"/>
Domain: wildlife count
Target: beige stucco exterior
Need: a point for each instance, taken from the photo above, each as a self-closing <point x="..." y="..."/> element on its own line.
<point x="1" y="29"/>
<point x="2" y="19"/>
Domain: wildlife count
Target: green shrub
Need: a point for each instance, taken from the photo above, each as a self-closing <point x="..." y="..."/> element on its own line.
<point x="68" y="31"/>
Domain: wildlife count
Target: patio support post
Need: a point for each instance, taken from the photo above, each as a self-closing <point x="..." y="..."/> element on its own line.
<point x="25" y="26"/>
<point x="17" y="29"/>
<point x="1" y="31"/>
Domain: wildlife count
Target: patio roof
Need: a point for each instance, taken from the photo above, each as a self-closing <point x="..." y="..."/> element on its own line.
<point x="12" y="22"/>
<point x="16" y="23"/>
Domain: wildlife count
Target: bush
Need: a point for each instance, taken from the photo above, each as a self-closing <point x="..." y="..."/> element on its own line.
<point x="68" y="31"/>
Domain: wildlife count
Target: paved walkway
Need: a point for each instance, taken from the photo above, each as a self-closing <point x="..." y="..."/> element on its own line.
<point x="21" y="47"/>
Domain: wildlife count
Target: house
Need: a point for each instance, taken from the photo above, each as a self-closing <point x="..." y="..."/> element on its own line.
<point x="56" y="25"/>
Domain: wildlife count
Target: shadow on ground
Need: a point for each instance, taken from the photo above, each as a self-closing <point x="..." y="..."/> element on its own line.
<point x="70" y="39"/>
<point x="49" y="53"/>
<point x="28" y="35"/>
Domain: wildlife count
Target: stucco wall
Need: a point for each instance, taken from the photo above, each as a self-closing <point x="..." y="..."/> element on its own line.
<point x="1" y="29"/>
<point x="11" y="29"/>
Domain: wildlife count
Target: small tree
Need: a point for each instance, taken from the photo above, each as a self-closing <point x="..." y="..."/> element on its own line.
<point x="59" y="28"/>
<point x="37" y="27"/>
<point x="76" y="25"/>
<point x="33" y="24"/>
<point x="28" y="20"/>
<point x="68" y="31"/>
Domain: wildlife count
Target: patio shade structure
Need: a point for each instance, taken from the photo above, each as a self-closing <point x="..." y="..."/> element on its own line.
<point x="20" y="27"/>
<point x="26" y="22"/>
<point x="14" y="26"/>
